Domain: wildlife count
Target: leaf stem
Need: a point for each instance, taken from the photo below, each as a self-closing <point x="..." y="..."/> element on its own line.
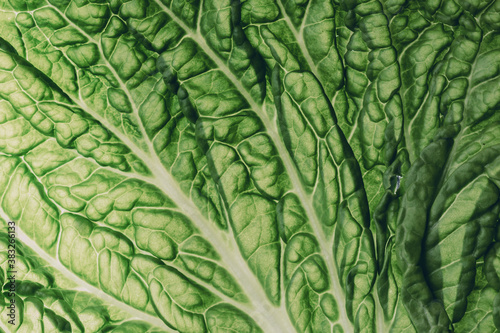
<point x="282" y="151"/>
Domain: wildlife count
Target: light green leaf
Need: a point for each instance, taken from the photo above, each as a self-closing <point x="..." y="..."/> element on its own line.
<point x="250" y="165"/>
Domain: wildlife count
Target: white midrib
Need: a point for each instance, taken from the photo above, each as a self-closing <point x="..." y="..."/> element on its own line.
<point x="287" y="161"/>
<point x="325" y="251"/>
<point x="316" y="224"/>
<point x="265" y="314"/>
<point x="196" y="279"/>
<point x="25" y="239"/>
<point x="225" y="298"/>
<point x="379" y="313"/>
<point x="299" y="37"/>
<point x="268" y="316"/>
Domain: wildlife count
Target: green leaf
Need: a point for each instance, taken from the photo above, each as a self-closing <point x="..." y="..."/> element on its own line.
<point x="252" y="166"/>
<point x="455" y="196"/>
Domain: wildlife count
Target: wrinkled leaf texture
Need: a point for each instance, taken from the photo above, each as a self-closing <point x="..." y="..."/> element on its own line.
<point x="250" y="166"/>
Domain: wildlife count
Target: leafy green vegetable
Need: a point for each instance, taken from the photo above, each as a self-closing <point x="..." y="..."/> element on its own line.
<point x="250" y="166"/>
